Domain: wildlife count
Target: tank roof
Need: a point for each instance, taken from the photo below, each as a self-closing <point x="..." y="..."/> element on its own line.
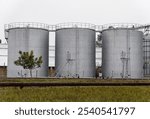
<point x="27" y="25"/>
<point x="53" y="28"/>
<point x="75" y="25"/>
<point x="118" y="26"/>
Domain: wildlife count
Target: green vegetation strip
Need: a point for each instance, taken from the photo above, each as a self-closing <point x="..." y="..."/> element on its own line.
<point x="76" y="94"/>
<point x="71" y="82"/>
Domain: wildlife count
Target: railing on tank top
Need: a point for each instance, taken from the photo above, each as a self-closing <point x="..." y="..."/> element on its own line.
<point x="29" y="25"/>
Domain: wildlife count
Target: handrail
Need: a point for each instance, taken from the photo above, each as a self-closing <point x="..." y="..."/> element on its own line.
<point x="75" y="25"/>
<point x="27" y="25"/>
<point x="117" y="25"/>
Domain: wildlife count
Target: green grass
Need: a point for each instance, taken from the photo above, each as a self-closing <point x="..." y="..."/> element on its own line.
<point x="76" y="94"/>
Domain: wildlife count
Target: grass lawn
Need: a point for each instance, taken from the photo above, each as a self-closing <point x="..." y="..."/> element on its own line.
<point x="76" y="94"/>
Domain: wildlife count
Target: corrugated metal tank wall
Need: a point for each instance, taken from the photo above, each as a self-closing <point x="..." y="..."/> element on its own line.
<point x="146" y="48"/>
<point x="98" y="56"/>
<point x="122" y="54"/>
<point x="27" y="39"/>
<point x="75" y="52"/>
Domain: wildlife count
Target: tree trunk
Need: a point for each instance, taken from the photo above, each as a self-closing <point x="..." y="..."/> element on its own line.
<point x="30" y="73"/>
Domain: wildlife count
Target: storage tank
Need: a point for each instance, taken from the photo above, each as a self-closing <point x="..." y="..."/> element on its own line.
<point x="75" y="50"/>
<point x="122" y="54"/>
<point x="26" y="37"/>
<point x="146" y="48"/>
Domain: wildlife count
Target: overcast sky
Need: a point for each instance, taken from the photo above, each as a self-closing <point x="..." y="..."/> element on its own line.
<point x="59" y="11"/>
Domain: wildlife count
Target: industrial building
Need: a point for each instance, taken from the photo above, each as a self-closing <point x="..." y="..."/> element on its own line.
<point x="146" y="48"/>
<point x="123" y="50"/>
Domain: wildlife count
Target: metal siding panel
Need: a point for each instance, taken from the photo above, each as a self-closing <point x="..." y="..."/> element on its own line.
<point x="146" y="48"/>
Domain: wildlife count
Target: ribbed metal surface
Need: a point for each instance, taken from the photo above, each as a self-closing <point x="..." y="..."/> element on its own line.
<point x="75" y="52"/>
<point x="122" y="54"/>
<point x="98" y="56"/>
<point x="27" y="39"/>
<point x="146" y="47"/>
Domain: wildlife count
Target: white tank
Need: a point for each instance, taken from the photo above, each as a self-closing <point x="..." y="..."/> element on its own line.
<point x="75" y="50"/>
<point x="122" y="54"/>
<point x="26" y="37"/>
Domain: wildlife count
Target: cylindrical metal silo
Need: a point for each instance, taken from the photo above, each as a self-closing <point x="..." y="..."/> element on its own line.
<point x="26" y="37"/>
<point x="122" y="54"/>
<point x="75" y="50"/>
<point x="146" y="48"/>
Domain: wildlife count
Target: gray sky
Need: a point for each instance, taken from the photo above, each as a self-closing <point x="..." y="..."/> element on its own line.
<point x="59" y="11"/>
